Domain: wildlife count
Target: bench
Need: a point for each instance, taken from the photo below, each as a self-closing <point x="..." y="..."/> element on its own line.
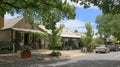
<point x="6" y="47"/>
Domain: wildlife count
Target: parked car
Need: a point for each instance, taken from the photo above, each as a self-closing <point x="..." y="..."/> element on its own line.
<point x="118" y="47"/>
<point x="112" y="47"/>
<point x="102" y="48"/>
<point x="115" y="47"/>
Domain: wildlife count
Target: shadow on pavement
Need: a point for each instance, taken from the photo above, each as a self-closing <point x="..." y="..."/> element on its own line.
<point x="94" y="63"/>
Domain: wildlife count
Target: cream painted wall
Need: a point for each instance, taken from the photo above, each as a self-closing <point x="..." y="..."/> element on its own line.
<point x="5" y="35"/>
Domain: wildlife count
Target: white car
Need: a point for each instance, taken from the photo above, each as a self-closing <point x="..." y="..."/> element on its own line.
<point x="102" y="48"/>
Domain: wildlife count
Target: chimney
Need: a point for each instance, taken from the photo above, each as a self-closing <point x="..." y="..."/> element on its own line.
<point x="1" y="21"/>
<point x="76" y="31"/>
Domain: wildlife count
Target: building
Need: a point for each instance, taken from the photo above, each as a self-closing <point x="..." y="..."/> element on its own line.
<point x="19" y="31"/>
<point x="69" y="38"/>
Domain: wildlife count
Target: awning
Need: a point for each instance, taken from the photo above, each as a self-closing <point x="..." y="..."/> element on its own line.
<point x="27" y="30"/>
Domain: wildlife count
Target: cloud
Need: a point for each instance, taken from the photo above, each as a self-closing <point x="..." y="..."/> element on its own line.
<point x="73" y="24"/>
<point x="9" y="16"/>
<point x="76" y="25"/>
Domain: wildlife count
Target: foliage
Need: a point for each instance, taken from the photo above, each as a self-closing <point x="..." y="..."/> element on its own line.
<point x="87" y="40"/>
<point x="99" y="40"/>
<point x="41" y="34"/>
<point x="83" y="40"/>
<point x="118" y="42"/>
<point x="55" y="38"/>
<point x="39" y="10"/>
<point x="55" y="53"/>
<point x="26" y="49"/>
<point x="107" y="6"/>
<point x="89" y="32"/>
<point x="108" y="25"/>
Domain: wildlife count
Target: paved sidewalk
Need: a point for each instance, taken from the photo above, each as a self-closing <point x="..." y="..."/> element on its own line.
<point x="38" y="55"/>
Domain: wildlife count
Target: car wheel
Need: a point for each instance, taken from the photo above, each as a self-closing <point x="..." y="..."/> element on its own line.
<point x="96" y="52"/>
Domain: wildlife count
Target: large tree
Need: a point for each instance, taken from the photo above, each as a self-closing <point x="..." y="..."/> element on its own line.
<point x="107" y="6"/>
<point x="38" y="9"/>
<point x="108" y="25"/>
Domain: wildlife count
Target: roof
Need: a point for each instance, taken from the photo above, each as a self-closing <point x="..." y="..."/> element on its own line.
<point x="10" y="23"/>
<point x="79" y="34"/>
<point x="65" y="32"/>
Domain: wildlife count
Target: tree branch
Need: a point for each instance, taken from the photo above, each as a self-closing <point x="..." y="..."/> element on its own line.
<point x="9" y="4"/>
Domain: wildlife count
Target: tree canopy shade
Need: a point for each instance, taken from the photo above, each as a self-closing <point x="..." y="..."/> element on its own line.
<point x="108" y="25"/>
<point x="107" y="6"/>
<point x="42" y="10"/>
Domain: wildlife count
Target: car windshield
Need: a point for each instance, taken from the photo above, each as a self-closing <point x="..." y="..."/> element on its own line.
<point x="101" y="46"/>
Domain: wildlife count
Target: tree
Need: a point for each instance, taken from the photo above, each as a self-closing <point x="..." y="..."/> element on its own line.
<point x="89" y="32"/>
<point x="55" y="38"/>
<point x="87" y="40"/>
<point x="108" y="25"/>
<point x="39" y="10"/>
<point x="99" y="40"/>
<point x="107" y="6"/>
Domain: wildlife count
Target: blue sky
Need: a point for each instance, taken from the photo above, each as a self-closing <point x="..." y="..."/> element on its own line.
<point x="82" y="16"/>
<point x="87" y="15"/>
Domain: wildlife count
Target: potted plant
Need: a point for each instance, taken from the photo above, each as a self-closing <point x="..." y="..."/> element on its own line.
<point x="26" y="53"/>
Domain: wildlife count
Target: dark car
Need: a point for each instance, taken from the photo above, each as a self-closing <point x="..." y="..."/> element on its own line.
<point x="114" y="47"/>
<point x="102" y="48"/>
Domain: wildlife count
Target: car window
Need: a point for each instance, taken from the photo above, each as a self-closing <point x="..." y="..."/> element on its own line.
<point x="101" y="45"/>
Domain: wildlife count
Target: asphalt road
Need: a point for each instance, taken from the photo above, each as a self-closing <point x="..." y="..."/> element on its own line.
<point x="111" y="59"/>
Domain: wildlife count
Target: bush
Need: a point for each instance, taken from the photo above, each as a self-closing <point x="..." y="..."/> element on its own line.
<point x="90" y="49"/>
<point x="26" y="49"/>
<point x="56" y="53"/>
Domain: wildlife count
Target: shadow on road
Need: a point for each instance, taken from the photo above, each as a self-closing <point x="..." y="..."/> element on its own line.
<point x="94" y="63"/>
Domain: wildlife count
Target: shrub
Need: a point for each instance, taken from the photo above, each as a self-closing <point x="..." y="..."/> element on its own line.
<point x="26" y="49"/>
<point x="90" y="49"/>
<point x="56" y="53"/>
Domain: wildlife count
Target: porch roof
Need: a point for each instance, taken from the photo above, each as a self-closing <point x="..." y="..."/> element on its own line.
<point x="27" y="30"/>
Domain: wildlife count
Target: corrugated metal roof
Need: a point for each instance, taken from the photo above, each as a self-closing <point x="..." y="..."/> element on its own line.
<point x="10" y="23"/>
<point x="65" y="32"/>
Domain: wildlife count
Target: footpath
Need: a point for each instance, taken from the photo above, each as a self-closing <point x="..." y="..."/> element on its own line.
<point x="38" y="55"/>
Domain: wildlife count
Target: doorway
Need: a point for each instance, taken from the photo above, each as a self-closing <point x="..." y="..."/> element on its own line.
<point x="26" y="39"/>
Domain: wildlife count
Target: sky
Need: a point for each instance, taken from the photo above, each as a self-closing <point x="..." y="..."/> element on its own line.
<point x="82" y="16"/>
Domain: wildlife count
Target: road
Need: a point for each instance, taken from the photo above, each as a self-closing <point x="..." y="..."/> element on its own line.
<point x="111" y="59"/>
